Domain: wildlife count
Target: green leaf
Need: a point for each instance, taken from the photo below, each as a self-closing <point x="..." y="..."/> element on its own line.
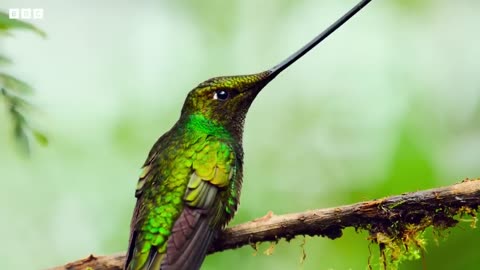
<point x="21" y="138"/>
<point x="16" y="101"/>
<point x="40" y="137"/>
<point x="20" y="103"/>
<point x="5" y="60"/>
<point x="18" y="117"/>
<point x="7" y="24"/>
<point x="13" y="90"/>
<point x="13" y="84"/>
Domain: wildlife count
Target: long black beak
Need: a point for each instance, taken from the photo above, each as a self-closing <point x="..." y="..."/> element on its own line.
<point x="273" y="72"/>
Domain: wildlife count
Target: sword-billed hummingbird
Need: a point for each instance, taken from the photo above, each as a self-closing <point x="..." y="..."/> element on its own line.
<point x="189" y="188"/>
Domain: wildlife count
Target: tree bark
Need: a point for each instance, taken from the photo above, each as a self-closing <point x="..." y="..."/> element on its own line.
<point x="390" y="215"/>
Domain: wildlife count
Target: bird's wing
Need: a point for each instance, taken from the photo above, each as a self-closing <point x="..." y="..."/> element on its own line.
<point x="212" y="168"/>
<point x="202" y="215"/>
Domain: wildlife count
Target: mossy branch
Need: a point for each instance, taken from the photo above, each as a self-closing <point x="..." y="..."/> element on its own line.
<point x="396" y="219"/>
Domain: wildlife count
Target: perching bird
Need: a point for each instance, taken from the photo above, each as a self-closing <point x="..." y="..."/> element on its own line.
<point x="190" y="184"/>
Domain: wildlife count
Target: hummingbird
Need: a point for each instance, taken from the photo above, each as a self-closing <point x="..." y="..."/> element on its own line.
<point x="189" y="187"/>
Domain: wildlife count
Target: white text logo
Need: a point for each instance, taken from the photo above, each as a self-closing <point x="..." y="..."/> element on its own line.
<point x="25" y="13"/>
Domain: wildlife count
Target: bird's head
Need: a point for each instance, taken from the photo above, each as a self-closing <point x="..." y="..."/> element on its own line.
<point x="225" y="100"/>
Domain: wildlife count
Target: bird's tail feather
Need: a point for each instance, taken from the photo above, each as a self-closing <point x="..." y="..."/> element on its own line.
<point x="187" y="245"/>
<point x="189" y="242"/>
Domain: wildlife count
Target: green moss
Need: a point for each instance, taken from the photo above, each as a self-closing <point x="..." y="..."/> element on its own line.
<point x="398" y="241"/>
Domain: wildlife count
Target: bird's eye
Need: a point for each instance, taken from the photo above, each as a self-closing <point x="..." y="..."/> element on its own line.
<point x="220" y="95"/>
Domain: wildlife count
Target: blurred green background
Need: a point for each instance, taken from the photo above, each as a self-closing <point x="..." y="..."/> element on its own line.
<point x="388" y="104"/>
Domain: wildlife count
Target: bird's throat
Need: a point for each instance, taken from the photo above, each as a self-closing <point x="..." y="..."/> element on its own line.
<point x="200" y="123"/>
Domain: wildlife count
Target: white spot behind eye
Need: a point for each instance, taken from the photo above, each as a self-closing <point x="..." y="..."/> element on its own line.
<point x="215" y="96"/>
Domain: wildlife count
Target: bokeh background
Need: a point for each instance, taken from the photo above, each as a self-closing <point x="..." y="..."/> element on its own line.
<point x="388" y="104"/>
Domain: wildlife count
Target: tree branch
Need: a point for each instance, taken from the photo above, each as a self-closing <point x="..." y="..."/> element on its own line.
<point x="391" y="216"/>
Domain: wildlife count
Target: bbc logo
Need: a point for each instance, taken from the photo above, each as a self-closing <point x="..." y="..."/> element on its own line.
<point x="25" y="13"/>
